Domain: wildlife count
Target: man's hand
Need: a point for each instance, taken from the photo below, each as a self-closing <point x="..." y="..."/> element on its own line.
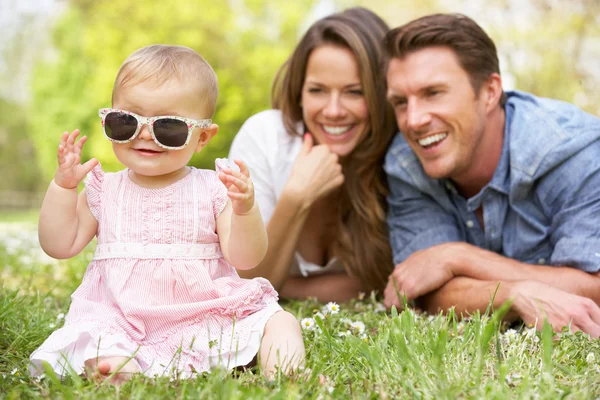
<point x="535" y="301"/>
<point x="424" y="271"/>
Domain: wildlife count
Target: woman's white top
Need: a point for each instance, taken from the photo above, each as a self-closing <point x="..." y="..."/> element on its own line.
<point x="270" y="152"/>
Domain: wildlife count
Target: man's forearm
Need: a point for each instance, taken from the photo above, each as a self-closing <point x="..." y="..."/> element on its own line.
<point x="467" y="295"/>
<point x="484" y="265"/>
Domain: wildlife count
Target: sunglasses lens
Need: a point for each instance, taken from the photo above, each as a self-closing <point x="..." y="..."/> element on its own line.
<point x="120" y="126"/>
<point x="170" y="132"/>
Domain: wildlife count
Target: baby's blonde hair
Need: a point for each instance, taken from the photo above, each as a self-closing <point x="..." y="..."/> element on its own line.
<point x="160" y="63"/>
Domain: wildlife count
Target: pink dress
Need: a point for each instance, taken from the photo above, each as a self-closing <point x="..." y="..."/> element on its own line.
<point x="158" y="287"/>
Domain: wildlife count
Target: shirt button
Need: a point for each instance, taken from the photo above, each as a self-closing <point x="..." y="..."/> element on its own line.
<point x="470" y="224"/>
<point x="156" y="216"/>
<point x="157" y="236"/>
<point x="541" y="261"/>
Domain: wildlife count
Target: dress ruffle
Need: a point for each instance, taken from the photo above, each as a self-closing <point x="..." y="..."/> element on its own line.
<point x="93" y="190"/>
<point x="182" y="354"/>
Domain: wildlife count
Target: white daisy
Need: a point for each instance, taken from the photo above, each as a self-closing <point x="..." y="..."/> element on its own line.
<point x="319" y="315"/>
<point x="511" y="335"/>
<point x="331" y="308"/>
<point x="308" y="324"/>
<point x="590" y="358"/>
<point x="379" y="307"/>
<point x="358" y="326"/>
<point x="342" y="334"/>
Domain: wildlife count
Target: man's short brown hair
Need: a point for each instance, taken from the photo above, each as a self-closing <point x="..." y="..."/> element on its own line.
<point x="474" y="49"/>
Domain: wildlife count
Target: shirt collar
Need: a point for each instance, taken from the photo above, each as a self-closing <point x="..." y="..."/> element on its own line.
<point x="501" y="179"/>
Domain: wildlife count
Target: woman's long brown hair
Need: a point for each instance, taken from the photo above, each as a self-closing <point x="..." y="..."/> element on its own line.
<point x="362" y="241"/>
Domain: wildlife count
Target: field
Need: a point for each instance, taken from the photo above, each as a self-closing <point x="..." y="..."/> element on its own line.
<point x="354" y="350"/>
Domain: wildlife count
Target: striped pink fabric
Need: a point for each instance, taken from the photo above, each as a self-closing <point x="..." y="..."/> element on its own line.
<point x="158" y="282"/>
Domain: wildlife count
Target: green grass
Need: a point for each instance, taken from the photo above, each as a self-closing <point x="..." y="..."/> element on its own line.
<point x="19" y="216"/>
<point x="360" y="352"/>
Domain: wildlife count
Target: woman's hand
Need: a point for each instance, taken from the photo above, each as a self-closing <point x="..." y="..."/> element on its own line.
<point x="70" y="171"/>
<point x="240" y="188"/>
<point x="315" y="173"/>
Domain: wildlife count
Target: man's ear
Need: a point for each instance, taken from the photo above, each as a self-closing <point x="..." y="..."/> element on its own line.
<point x="206" y="135"/>
<point x="493" y="91"/>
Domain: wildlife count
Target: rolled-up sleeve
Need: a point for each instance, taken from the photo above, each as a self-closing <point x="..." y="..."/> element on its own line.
<point x="574" y="197"/>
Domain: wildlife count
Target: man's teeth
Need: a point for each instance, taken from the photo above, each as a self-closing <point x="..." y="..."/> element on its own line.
<point x="429" y="140"/>
<point x="336" y="130"/>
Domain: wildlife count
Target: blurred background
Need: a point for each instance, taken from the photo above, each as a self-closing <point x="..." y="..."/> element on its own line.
<point x="58" y="60"/>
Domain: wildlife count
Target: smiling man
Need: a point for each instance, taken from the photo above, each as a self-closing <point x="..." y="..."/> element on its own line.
<point x="494" y="195"/>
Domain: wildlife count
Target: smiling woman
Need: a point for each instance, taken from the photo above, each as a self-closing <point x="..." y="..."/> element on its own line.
<point x="316" y="161"/>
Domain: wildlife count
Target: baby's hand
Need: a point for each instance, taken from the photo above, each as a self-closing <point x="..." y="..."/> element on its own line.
<point x="70" y="171"/>
<point x="239" y="188"/>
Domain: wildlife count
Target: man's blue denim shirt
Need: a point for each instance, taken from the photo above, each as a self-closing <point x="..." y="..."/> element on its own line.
<point x="542" y="205"/>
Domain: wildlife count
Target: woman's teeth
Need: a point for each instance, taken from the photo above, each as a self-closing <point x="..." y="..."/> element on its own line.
<point x="429" y="140"/>
<point x="336" y="130"/>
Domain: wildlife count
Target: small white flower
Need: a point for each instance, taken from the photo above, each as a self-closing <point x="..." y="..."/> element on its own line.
<point x="342" y="334"/>
<point x="358" y="326"/>
<point x="379" y="307"/>
<point x="346" y="321"/>
<point x="363" y="336"/>
<point x="590" y="358"/>
<point x="319" y="315"/>
<point x="14" y="371"/>
<point x="510" y="335"/>
<point x="308" y="324"/>
<point x="51" y="325"/>
<point x="60" y="316"/>
<point x="430" y="318"/>
<point x="330" y="389"/>
<point x="331" y="308"/>
<point x="529" y="332"/>
<point x="513" y="378"/>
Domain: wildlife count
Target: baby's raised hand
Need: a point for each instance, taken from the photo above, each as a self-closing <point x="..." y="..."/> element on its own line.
<point x="70" y="171"/>
<point x="240" y="188"/>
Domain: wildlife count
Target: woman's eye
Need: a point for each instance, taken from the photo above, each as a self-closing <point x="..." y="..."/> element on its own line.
<point x="356" y="92"/>
<point x="314" y="90"/>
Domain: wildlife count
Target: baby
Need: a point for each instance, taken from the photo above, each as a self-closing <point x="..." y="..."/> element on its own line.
<point x="161" y="295"/>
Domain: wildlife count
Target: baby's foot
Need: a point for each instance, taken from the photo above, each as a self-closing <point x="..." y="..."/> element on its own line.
<point x="101" y="368"/>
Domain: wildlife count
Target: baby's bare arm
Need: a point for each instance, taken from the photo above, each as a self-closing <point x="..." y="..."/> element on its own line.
<point x="242" y="233"/>
<point x="66" y="223"/>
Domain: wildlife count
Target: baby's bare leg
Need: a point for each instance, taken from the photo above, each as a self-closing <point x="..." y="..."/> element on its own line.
<point x="282" y="345"/>
<point x="102" y="367"/>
